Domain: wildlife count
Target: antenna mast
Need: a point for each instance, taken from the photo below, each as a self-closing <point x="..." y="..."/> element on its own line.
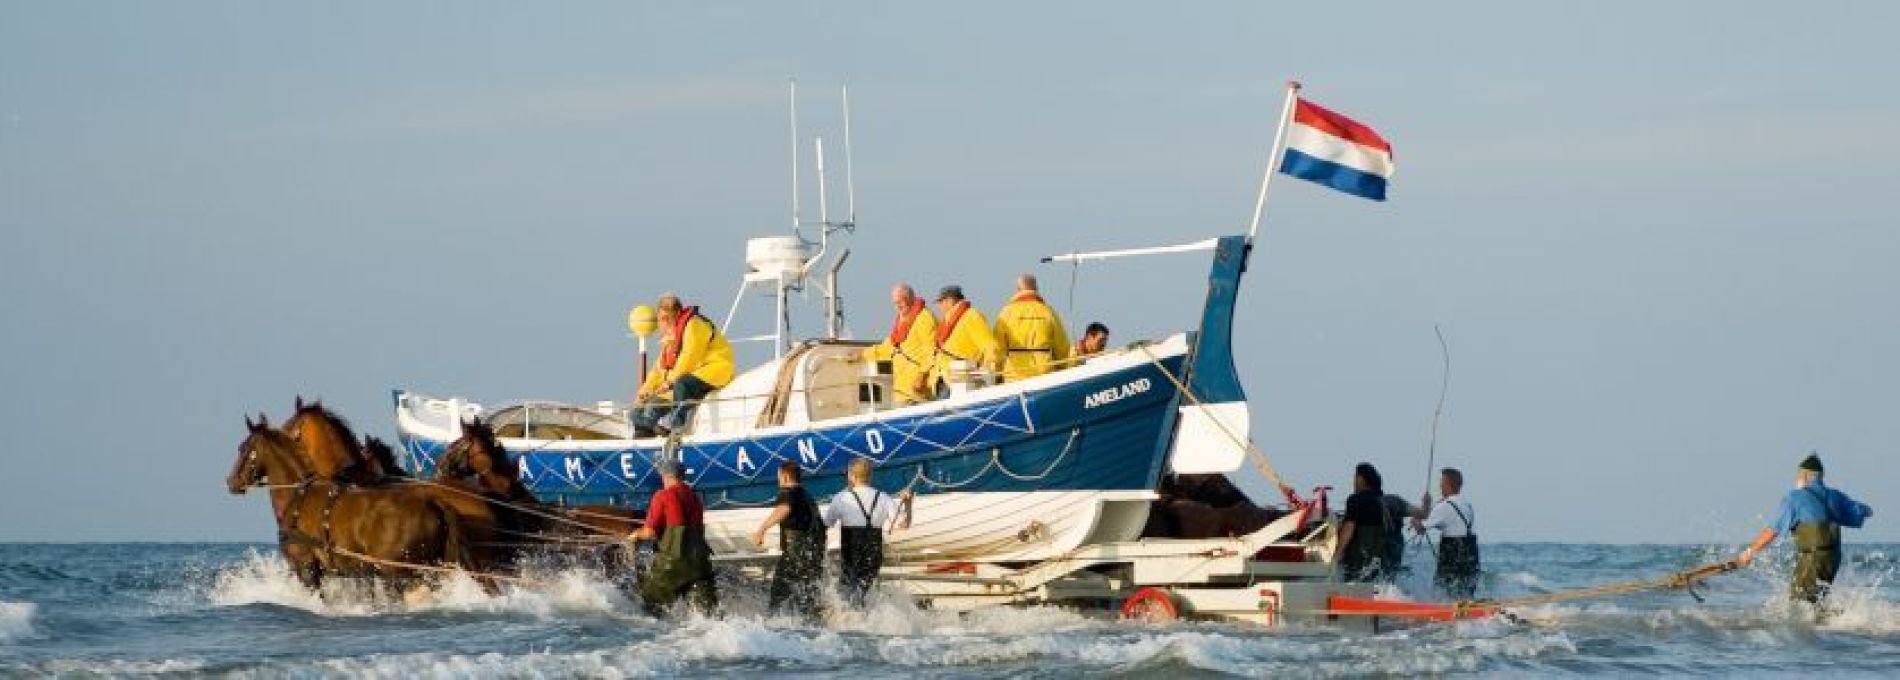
<point x="850" y="186"/>
<point x="824" y="199"/>
<point x="792" y="85"/>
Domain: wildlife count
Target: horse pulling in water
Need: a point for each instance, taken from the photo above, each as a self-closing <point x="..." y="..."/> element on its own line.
<point x="496" y="520"/>
<point x="327" y="527"/>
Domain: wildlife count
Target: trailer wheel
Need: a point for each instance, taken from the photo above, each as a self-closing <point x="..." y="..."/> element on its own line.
<point x="1152" y="605"/>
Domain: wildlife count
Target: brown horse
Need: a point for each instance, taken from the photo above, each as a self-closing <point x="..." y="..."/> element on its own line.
<point x="478" y="455"/>
<point x="330" y="446"/>
<point x="324" y="525"/>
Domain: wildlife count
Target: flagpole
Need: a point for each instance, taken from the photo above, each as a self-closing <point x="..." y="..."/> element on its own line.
<point x="1273" y="157"/>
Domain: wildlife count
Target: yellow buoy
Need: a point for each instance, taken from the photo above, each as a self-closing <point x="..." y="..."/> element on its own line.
<point x="643" y="321"/>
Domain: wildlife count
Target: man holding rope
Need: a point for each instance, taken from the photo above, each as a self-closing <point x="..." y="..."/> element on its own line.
<point x="1453" y="518"/>
<point x="682" y="562"/>
<point x="862" y="513"/>
<point x="1815" y="514"/>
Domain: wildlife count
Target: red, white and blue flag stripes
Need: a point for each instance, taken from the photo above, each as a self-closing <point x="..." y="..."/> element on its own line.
<point x="1339" y="152"/>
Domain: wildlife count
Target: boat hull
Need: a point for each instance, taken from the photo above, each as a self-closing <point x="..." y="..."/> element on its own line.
<point x="1007" y="473"/>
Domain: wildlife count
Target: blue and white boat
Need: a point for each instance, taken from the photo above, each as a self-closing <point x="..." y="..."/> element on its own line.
<point x="1012" y="472"/>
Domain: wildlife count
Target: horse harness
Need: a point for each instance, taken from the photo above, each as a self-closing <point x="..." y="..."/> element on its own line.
<point x="287" y="532"/>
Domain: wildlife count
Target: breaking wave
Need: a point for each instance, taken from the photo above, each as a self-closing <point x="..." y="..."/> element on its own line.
<point x="259" y="578"/>
<point x="16" y="620"/>
<point x="239" y="611"/>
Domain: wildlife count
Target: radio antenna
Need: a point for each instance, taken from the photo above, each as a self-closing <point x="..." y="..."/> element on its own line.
<point x="850" y="186"/>
<point x="796" y="218"/>
<point x="824" y="200"/>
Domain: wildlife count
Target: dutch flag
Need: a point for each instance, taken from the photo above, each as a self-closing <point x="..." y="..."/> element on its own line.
<point x="1339" y="152"/>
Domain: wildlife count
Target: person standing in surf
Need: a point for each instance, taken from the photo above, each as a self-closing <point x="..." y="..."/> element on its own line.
<point x="682" y="562"/>
<point x="1360" y="550"/>
<point x="1815" y="514"/>
<point x="801" y="546"/>
<point x="1453" y="519"/>
<point x="862" y="513"/>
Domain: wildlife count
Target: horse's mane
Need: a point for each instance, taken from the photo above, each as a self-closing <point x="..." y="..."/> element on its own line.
<point x="315" y="409"/>
<point x="480" y="431"/>
<point x="384" y="456"/>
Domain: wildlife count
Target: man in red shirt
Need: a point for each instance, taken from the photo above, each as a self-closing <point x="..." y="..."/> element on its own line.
<point x="682" y="562"/>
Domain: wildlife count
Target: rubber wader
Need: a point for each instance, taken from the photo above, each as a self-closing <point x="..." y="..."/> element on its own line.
<point x="1817" y="562"/>
<point x="1363" y="556"/>
<point x="681" y="563"/>
<point x="861" y="554"/>
<point x="800" y="563"/>
<point x="1457" y="570"/>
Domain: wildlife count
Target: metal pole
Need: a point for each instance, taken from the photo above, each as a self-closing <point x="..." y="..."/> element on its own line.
<point x="834" y="313"/>
<point x="643" y="360"/>
<point x="784" y="322"/>
<point x="1273" y="157"/>
<point x="795" y="216"/>
<point x="850" y="187"/>
<point x="824" y="200"/>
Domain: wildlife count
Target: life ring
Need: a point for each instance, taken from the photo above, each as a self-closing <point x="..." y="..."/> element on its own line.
<point x="1152" y="605"/>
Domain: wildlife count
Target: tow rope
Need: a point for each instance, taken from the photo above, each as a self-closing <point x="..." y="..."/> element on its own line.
<point x="1339" y="605"/>
<point x="523" y="508"/>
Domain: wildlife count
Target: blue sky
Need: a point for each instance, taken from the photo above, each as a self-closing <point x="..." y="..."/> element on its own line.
<point x="1656" y="236"/>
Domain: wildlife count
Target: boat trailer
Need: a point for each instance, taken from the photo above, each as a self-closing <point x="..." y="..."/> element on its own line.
<point x="1279" y="575"/>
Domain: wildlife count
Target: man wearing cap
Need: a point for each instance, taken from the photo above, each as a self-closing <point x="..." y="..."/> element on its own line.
<point x="682" y="562"/>
<point x="911" y="347"/>
<point x="1815" y="514"/>
<point x="963" y="335"/>
<point x="695" y="359"/>
<point x="1030" y="334"/>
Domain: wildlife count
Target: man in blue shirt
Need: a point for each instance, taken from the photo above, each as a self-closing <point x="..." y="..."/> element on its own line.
<point x="1815" y="515"/>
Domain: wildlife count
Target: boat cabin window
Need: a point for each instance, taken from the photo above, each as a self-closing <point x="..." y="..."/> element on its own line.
<point x="838" y="384"/>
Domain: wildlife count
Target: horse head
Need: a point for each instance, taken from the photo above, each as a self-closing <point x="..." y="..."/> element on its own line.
<point x="476" y="454"/>
<point x="265" y="454"/>
<point x="326" y="439"/>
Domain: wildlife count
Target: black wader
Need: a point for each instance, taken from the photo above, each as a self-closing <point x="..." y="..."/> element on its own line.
<point x="682" y="563"/>
<point x="801" y="561"/>
<point x="860" y="554"/>
<point x="1393" y="560"/>
<point x="1457" y="571"/>
<point x="1365" y="554"/>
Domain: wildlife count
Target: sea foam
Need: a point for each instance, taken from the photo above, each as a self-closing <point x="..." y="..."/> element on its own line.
<point x="16" y="620"/>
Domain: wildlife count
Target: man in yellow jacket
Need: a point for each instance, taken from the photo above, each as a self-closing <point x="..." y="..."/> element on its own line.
<point x="1030" y="334"/>
<point x="963" y="335"/>
<point x="695" y="359"/>
<point x="911" y="347"/>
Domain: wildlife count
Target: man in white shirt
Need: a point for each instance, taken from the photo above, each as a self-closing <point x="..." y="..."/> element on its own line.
<point x="862" y="513"/>
<point x="1453" y="519"/>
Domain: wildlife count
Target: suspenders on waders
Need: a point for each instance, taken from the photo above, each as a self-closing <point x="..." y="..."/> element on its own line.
<point x="1458" y="559"/>
<point x="1819" y="556"/>
<point x="861" y="551"/>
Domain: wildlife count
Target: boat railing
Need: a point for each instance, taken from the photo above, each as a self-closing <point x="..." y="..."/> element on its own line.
<point x="428" y="409"/>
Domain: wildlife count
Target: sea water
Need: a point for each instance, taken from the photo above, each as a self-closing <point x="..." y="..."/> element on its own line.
<point x="235" y="610"/>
